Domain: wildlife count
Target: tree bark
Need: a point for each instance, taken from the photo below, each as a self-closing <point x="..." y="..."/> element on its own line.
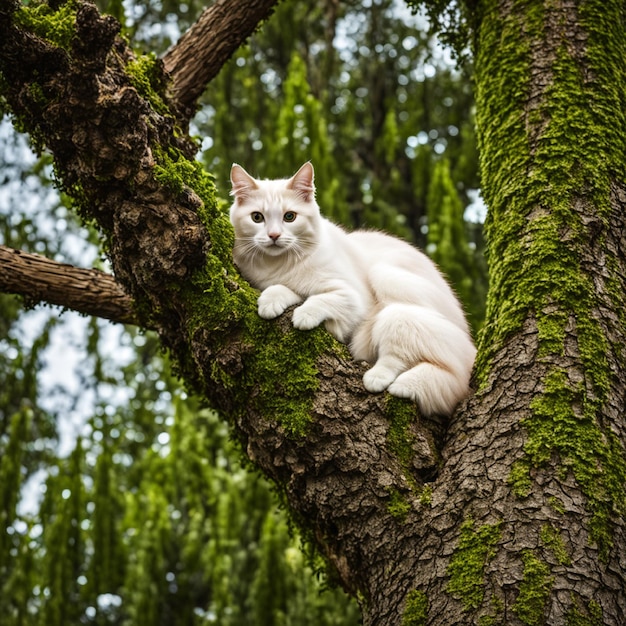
<point x="513" y="513"/>
<point x="87" y="291"/>
<point x="539" y="456"/>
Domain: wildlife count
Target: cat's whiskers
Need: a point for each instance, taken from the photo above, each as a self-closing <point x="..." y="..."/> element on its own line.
<point x="302" y="249"/>
<point x="250" y="247"/>
<point x="296" y="254"/>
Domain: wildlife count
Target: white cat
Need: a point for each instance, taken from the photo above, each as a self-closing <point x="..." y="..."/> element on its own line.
<point x="379" y="294"/>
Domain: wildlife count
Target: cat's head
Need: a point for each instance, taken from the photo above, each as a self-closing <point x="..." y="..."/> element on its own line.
<point x="273" y="217"/>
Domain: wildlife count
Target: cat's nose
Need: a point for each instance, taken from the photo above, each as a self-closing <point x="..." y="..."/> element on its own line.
<point x="273" y="236"/>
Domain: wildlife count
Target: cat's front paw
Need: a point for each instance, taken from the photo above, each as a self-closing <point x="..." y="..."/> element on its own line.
<point x="307" y="317"/>
<point x="275" y="300"/>
<point x="378" y="379"/>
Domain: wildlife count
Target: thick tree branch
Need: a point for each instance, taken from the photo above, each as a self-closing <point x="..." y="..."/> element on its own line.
<point x="201" y="52"/>
<point x="88" y="291"/>
<point x="351" y="464"/>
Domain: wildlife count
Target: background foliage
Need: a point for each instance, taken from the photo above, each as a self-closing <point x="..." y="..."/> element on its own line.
<point x="123" y="500"/>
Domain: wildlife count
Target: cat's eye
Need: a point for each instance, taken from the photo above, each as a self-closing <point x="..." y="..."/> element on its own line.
<point x="257" y="217"/>
<point x="290" y="216"/>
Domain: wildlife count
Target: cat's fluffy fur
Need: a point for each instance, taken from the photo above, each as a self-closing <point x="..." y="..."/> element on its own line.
<point x="380" y="295"/>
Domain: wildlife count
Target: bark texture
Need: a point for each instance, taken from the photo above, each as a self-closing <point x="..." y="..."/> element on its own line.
<point x="87" y="291"/>
<point x="514" y="512"/>
<point x="549" y="429"/>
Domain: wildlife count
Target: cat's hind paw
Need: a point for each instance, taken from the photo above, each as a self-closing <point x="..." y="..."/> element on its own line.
<point x="275" y="300"/>
<point x="400" y="389"/>
<point x="434" y="389"/>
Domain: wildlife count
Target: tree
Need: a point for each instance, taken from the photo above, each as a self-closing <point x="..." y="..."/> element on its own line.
<point x="513" y="511"/>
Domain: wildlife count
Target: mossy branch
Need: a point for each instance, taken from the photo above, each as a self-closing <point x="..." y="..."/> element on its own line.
<point x="295" y="399"/>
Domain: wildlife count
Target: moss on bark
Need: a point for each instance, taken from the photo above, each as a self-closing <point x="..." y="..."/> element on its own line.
<point x="416" y="610"/>
<point x="56" y="25"/>
<point x="551" y="148"/>
<point x="534" y="590"/>
<point x="477" y="546"/>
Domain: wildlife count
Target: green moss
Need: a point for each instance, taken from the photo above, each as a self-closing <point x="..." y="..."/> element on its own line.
<point x="180" y="174"/>
<point x="400" y="442"/>
<point x="398" y="506"/>
<point x="146" y="76"/>
<point x="538" y="253"/>
<point x="279" y="378"/>
<point x="534" y="591"/>
<point x="283" y="365"/>
<point x="467" y="566"/>
<point x="426" y="495"/>
<point x="495" y="617"/>
<point x="56" y="26"/>
<point x="500" y="97"/>
<point x="595" y="611"/>
<point x="557" y="505"/>
<point x="400" y="438"/>
<point x="593" y="456"/>
<point x="36" y="94"/>
<point x="519" y="479"/>
<point x="584" y="615"/>
<point x="401" y="415"/>
<point x="552" y="540"/>
<point x="416" y="609"/>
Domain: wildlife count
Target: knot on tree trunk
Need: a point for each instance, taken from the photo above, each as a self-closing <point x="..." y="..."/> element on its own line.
<point x="95" y="35"/>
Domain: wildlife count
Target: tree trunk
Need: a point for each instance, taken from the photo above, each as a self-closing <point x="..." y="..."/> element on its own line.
<point x="535" y="467"/>
<point x="513" y="513"/>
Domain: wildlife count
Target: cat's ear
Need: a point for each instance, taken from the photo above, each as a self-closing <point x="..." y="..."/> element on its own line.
<point x="243" y="184"/>
<point x="302" y="182"/>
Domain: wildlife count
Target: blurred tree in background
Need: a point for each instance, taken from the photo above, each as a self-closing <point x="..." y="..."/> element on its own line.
<point x="132" y="507"/>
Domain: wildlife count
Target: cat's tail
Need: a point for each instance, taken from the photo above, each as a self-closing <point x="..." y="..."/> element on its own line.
<point x="421" y="355"/>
